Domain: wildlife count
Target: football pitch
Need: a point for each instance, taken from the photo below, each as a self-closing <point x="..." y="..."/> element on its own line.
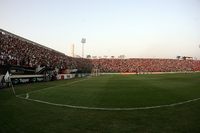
<point x="107" y="103"/>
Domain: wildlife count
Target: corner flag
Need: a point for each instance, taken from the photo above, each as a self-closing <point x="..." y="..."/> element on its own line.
<point x="7" y="77"/>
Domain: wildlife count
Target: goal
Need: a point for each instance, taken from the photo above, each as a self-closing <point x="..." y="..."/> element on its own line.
<point x="95" y="72"/>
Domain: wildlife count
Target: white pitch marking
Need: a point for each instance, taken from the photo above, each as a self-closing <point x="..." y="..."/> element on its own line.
<point x="99" y="108"/>
<point x="110" y="109"/>
<point x="56" y="86"/>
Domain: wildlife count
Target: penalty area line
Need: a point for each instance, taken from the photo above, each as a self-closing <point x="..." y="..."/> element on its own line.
<point x="109" y="109"/>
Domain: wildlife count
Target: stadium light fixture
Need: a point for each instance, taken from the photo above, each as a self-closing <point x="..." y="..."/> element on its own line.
<point x="83" y="41"/>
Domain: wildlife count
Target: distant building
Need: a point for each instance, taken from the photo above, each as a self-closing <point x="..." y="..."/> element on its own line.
<point x="94" y="57"/>
<point x="121" y="56"/>
<point x="105" y="56"/>
<point x="184" y="58"/>
<point x="112" y="57"/>
<point x="187" y="58"/>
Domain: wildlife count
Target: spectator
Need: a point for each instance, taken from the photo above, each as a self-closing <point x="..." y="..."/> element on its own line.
<point x="17" y="51"/>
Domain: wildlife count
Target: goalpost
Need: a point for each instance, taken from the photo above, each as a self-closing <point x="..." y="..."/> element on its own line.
<point x="95" y="72"/>
<point x="9" y="82"/>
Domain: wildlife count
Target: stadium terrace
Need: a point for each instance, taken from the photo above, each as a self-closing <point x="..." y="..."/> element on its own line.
<point x="22" y="56"/>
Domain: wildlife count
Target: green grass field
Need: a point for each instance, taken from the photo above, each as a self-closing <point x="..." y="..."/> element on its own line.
<point x="107" y="91"/>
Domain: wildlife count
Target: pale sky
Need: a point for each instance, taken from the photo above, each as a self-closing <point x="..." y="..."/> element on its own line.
<point x="135" y="28"/>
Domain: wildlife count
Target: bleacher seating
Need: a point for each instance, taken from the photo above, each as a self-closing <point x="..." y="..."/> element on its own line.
<point x="145" y="65"/>
<point x="17" y="51"/>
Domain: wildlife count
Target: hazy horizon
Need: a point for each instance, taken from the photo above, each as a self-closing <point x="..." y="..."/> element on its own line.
<point x="136" y="29"/>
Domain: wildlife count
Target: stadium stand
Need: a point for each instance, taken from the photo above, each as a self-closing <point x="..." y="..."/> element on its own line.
<point x="16" y="51"/>
<point x="20" y="52"/>
<point x="28" y="61"/>
<point x="145" y="65"/>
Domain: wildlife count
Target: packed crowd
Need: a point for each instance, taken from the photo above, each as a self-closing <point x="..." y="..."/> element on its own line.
<point x="17" y="52"/>
<point x="146" y="65"/>
<point x="20" y="52"/>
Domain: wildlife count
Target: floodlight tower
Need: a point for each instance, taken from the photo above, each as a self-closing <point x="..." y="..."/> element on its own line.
<point x="83" y="41"/>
